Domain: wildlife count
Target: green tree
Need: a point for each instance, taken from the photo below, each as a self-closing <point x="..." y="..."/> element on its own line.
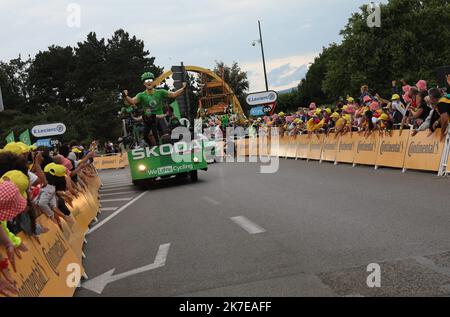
<point x="411" y="43"/>
<point x="235" y="78"/>
<point x="79" y="86"/>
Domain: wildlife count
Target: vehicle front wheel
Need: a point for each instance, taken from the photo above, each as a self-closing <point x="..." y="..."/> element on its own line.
<point x="194" y="176"/>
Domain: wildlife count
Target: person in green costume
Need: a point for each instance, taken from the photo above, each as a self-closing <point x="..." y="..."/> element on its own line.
<point x="151" y="101"/>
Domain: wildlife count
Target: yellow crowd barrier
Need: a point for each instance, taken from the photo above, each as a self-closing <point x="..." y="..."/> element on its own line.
<point x="54" y="259"/>
<point x="396" y="150"/>
<point x="115" y="161"/>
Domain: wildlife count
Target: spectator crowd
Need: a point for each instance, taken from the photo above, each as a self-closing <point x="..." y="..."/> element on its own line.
<point x="34" y="182"/>
<point x="413" y="107"/>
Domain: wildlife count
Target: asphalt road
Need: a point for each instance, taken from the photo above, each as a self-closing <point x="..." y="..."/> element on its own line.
<point x="309" y="230"/>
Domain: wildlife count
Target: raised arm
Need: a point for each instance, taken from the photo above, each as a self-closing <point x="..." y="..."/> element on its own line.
<point x="177" y="93"/>
<point x="131" y="101"/>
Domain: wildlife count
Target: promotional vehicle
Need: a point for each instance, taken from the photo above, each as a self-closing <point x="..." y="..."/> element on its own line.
<point x="156" y="163"/>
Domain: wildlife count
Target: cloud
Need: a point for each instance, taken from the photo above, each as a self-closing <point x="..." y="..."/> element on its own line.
<point x="282" y="73"/>
<point x="287" y="74"/>
<point x="197" y="32"/>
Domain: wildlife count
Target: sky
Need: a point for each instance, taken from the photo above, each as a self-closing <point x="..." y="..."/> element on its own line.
<point x="197" y="32"/>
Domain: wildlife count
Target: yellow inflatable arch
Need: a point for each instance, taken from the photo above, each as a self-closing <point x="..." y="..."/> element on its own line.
<point x="200" y="70"/>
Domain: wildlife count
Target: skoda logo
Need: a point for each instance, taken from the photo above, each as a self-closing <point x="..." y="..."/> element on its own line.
<point x="272" y="96"/>
<point x="60" y="128"/>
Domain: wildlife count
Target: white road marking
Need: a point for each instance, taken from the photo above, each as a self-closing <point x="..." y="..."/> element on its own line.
<point x="211" y="200"/>
<point x="123" y="181"/>
<point x="115" y="199"/>
<point x="108" y="208"/>
<point x="99" y="283"/>
<point x="118" y="193"/>
<point x="432" y="265"/>
<point x="247" y="225"/>
<point x="116" y="186"/>
<point x="114" y="189"/>
<point x="104" y="221"/>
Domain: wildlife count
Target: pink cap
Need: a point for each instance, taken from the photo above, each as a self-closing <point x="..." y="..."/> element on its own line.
<point x="374" y="106"/>
<point x="421" y="84"/>
<point x="406" y="89"/>
<point x="367" y="99"/>
<point x="11" y="201"/>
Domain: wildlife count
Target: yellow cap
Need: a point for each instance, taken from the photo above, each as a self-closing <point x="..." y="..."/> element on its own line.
<point x="19" y="179"/>
<point x="328" y="110"/>
<point x="76" y="150"/>
<point x="281" y="114"/>
<point x="13" y="147"/>
<point x="395" y="97"/>
<point x="55" y="170"/>
<point x="318" y="111"/>
<point x="25" y="148"/>
<point x="335" y="115"/>
<point x="384" y="117"/>
<point x="298" y="121"/>
<point x="351" y="99"/>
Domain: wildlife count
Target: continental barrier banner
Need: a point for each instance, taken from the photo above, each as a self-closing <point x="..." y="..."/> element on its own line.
<point x="315" y="147"/>
<point x="284" y="145"/>
<point x="42" y="271"/>
<point x="448" y="165"/>
<point x="110" y="162"/>
<point x="330" y="147"/>
<point x="420" y="152"/>
<point x="366" y="150"/>
<point x="424" y="152"/>
<point x="240" y="147"/>
<point x="346" y="149"/>
<point x="302" y="146"/>
<point x="392" y="149"/>
<point x="292" y="147"/>
<point x="253" y="144"/>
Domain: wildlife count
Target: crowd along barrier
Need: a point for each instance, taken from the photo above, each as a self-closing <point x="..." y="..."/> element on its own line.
<point x="395" y="150"/>
<point x="49" y="267"/>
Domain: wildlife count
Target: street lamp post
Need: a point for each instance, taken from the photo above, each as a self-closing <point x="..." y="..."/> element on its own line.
<point x="260" y="41"/>
<point x="262" y="52"/>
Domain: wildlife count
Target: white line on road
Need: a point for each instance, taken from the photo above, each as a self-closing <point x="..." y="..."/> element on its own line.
<point x="115" y="199"/>
<point x="247" y="225"/>
<point x="116" y="213"/>
<point x="211" y="200"/>
<point x="123" y="181"/>
<point x="108" y="208"/>
<point x="118" y="193"/>
<point x="99" y="283"/>
<point x="116" y="186"/>
<point x="114" y="189"/>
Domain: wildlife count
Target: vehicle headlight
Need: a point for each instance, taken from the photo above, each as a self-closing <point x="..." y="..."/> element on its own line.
<point x="196" y="159"/>
<point x="142" y="168"/>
